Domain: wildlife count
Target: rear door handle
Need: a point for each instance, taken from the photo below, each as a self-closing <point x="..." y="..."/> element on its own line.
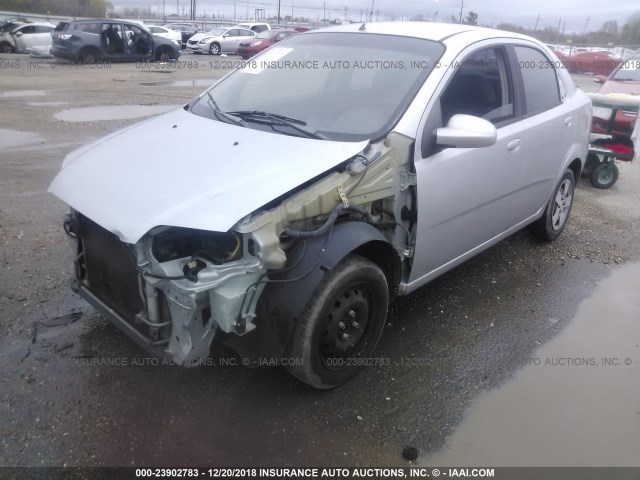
<point x="568" y="121"/>
<point x="513" y="145"/>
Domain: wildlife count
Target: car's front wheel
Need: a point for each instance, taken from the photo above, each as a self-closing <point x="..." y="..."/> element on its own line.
<point x="556" y="215"/>
<point x="214" y="48"/>
<point x="341" y="325"/>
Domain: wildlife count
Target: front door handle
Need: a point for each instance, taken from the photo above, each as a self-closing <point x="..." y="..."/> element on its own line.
<point x="513" y="145"/>
<point x="568" y="121"/>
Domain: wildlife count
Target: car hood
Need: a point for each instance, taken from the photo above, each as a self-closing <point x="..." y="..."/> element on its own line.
<point x="198" y="36"/>
<point x="183" y="170"/>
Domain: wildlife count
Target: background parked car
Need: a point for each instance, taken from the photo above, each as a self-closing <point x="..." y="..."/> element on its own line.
<point x="23" y="37"/>
<point x="625" y="79"/>
<point x="255" y="27"/>
<point x="247" y="49"/>
<point x="598" y="63"/>
<point x="220" y="40"/>
<point x="166" y="33"/>
<point x="10" y="24"/>
<point x="90" y="41"/>
<point x="187" y="30"/>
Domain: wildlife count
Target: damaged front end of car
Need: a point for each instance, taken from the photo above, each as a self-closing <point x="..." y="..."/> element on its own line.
<point x="170" y="291"/>
<point x="175" y="288"/>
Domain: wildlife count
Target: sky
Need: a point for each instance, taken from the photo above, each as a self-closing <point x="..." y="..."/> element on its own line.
<point x="573" y="14"/>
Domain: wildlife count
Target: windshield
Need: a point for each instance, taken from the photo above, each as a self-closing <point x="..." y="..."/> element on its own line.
<point x="267" y="34"/>
<point x="629" y="71"/>
<point x="216" y="32"/>
<point x="345" y="86"/>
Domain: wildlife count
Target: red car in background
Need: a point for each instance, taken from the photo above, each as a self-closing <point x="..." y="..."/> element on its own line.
<point x="261" y="41"/>
<point x="597" y="63"/>
<point x="624" y="80"/>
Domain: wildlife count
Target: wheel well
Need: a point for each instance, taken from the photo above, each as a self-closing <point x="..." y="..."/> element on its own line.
<point x="576" y="168"/>
<point x="161" y="50"/>
<point x="385" y="256"/>
<point x="87" y="50"/>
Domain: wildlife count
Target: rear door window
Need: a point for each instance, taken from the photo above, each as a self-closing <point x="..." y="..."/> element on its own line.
<point x="540" y="80"/>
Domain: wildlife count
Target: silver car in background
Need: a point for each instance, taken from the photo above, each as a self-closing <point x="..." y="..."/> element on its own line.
<point x="219" y="40"/>
<point x="339" y="169"/>
<point x="24" y="37"/>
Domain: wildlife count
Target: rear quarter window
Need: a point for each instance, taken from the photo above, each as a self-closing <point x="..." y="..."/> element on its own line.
<point x="540" y="80"/>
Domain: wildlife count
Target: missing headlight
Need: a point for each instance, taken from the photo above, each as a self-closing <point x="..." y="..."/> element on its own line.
<point x="214" y="247"/>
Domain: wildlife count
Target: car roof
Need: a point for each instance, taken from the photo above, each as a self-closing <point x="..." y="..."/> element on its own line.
<point x="34" y="24"/>
<point x="439" y="32"/>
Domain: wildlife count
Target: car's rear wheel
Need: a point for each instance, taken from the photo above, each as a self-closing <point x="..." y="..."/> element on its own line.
<point x="604" y="175"/>
<point x="556" y="215"/>
<point x="341" y="325"/>
<point x="89" y="56"/>
<point x="214" y="48"/>
<point x="6" y="47"/>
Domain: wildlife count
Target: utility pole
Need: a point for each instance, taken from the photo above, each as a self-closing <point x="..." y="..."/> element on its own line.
<point x="536" y="26"/>
<point x="324" y="13"/>
<point x="461" y="7"/>
<point x="585" y="26"/>
<point x="234" y="12"/>
<point x="558" y="35"/>
<point x="278" y="22"/>
<point x="292" y="3"/>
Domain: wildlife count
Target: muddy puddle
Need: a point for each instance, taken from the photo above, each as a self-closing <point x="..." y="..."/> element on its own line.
<point x="576" y="402"/>
<point x="119" y="112"/>
<point x="24" y="93"/>
<point x="201" y="82"/>
<point x="15" y="138"/>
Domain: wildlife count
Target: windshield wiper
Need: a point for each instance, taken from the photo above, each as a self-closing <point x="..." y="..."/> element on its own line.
<point x="220" y="114"/>
<point x="274" y="119"/>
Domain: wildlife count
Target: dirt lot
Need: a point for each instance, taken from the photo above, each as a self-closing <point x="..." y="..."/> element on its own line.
<point x="465" y="333"/>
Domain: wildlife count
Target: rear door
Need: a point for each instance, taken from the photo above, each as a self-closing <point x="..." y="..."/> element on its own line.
<point x="550" y="124"/>
<point x="42" y="37"/>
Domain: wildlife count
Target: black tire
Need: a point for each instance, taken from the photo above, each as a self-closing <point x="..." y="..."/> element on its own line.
<point x="6" y="47"/>
<point x="604" y="175"/>
<point x="89" y="56"/>
<point x="589" y="165"/>
<point x="351" y="300"/>
<point x="214" y="48"/>
<point x="163" y="55"/>
<point x="556" y="215"/>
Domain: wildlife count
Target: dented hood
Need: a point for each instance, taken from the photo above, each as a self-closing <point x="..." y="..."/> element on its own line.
<point x="183" y="170"/>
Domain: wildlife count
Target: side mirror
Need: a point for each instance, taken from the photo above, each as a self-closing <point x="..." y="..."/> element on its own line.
<point x="225" y="35"/>
<point x="600" y="79"/>
<point x="466" y="131"/>
<point x="18" y="34"/>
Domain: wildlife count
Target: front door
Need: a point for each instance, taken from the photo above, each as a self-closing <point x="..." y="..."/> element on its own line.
<point x="468" y="196"/>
